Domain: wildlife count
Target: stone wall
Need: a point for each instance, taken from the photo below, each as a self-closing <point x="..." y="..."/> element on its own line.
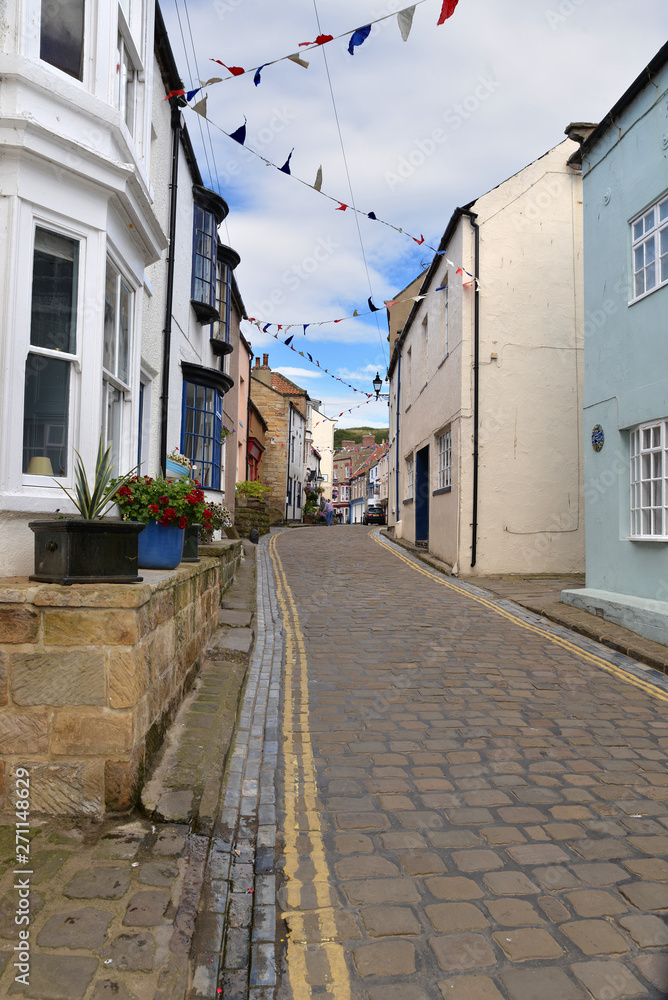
<point x="91" y="676"/>
<point x="252" y="515"/>
<point x="275" y="410"/>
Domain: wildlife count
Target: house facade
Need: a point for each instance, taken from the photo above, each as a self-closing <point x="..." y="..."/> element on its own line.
<point x="486" y="382"/>
<point x="322" y="435"/>
<point x="625" y="184"/>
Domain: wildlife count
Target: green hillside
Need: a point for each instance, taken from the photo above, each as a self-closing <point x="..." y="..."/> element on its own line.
<point x="355" y="434"/>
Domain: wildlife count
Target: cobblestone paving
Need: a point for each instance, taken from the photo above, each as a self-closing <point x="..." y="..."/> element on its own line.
<point x="471" y="806"/>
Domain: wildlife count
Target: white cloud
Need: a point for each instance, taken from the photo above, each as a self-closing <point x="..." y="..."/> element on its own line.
<point x="296" y="373"/>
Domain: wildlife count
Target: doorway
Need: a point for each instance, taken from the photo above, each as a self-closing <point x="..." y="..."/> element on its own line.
<point x="422" y="497"/>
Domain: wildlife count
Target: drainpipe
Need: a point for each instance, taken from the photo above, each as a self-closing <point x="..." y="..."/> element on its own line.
<point x="287" y="449"/>
<point x="396" y="472"/>
<point x="169" y="293"/>
<point x="476" y="383"/>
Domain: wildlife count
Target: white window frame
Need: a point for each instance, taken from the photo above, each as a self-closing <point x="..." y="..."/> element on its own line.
<point x="112" y="383"/>
<point x="444" y="443"/>
<point x="126" y="89"/>
<point x="649" y="239"/>
<point x="409" y="478"/>
<point x="648" y="454"/>
<point x="74" y="359"/>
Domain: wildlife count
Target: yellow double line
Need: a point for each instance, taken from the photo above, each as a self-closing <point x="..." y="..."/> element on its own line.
<point x="309" y="912"/>
<point x="583" y="654"/>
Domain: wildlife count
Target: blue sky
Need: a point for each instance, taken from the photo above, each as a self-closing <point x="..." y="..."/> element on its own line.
<point x="408" y="130"/>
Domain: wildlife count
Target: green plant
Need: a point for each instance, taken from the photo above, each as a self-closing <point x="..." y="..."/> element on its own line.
<point x="93" y="500"/>
<point x="220" y="518"/>
<point x="177" y="502"/>
<point x="180" y="459"/>
<point x="252" y="490"/>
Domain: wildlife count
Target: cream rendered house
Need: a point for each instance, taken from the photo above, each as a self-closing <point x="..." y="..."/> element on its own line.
<point x="486" y="381"/>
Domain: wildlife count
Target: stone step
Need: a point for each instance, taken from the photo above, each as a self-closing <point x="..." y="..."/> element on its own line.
<point x="231" y="644"/>
<point x="235" y="619"/>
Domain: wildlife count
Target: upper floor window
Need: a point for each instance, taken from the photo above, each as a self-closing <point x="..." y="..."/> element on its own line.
<point x="52" y="353"/>
<point x="444" y="460"/>
<point x="209" y="212"/>
<point x="650" y="249"/>
<point x="118" y="310"/>
<point x="649" y="489"/>
<point x="202" y="422"/>
<point x="61" y="41"/>
<point x="226" y="260"/>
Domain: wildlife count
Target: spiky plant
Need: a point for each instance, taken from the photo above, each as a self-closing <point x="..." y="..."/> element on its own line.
<point x="93" y="500"/>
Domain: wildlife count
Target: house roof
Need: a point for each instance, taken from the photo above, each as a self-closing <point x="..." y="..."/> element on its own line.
<point x="638" y="85"/>
<point x="286" y="388"/>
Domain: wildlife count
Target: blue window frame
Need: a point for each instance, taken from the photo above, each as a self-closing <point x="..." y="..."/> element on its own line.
<point x="201" y="427"/>
<point x="204" y="257"/>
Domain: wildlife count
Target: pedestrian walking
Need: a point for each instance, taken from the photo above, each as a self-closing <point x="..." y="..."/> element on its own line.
<point x="329" y="511"/>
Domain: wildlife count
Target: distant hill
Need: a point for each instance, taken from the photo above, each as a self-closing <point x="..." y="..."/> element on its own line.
<point x="355" y="434"/>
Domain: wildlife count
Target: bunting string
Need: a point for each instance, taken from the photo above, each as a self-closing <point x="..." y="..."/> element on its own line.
<point x="357" y="37"/>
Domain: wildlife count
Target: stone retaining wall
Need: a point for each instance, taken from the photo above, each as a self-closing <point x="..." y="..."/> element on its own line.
<point x="91" y="676"/>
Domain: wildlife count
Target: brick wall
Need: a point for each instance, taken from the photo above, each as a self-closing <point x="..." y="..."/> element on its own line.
<point x="90" y="677"/>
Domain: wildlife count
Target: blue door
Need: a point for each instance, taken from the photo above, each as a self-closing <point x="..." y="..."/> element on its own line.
<point x="422" y="496"/>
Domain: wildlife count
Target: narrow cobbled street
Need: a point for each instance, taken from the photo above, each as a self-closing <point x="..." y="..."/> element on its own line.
<point x="471" y="802"/>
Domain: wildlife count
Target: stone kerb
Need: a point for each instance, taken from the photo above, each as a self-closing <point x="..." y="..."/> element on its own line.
<point x="91" y="676"/>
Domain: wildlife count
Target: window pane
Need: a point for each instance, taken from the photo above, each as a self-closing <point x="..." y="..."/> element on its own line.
<point x="663" y="210"/>
<point x="656" y="436"/>
<point x="646" y="522"/>
<point x="640" y="283"/>
<point x="53" y="317"/>
<point x="658" y="522"/>
<point x="649" y="221"/>
<point x="637" y="230"/>
<point x="45" y="415"/>
<point x="647" y="437"/>
<point x="110" y="309"/>
<point x="657" y="493"/>
<point x="61" y="35"/>
<point x="124" y="334"/>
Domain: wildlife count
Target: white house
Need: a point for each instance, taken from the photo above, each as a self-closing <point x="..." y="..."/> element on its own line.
<point x="322" y="436"/>
<point x="486" y="382"/>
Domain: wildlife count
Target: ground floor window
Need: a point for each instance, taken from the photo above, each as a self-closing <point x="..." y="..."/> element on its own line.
<point x="201" y="432"/>
<point x="409" y="478"/>
<point x="649" y="480"/>
<point x="444" y="442"/>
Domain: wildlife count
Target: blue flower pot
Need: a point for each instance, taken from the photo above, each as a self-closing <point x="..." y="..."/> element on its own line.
<point x="160" y="547"/>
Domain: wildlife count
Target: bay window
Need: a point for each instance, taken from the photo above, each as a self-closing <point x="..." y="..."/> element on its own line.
<point x="61" y="35"/>
<point x="649" y="481"/>
<point x="209" y="210"/>
<point x="52" y="353"/>
<point x="202" y="422"/>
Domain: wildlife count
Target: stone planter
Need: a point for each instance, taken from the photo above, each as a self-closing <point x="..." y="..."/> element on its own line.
<point x="78" y="551"/>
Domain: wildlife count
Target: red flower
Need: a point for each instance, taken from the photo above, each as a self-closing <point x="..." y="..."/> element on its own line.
<point x="163" y="500"/>
<point x="170" y="513"/>
<point x="183" y="522"/>
<point x="153" y="507"/>
<point x="207" y="513"/>
<point x="125" y="491"/>
<point x="165" y="522"/>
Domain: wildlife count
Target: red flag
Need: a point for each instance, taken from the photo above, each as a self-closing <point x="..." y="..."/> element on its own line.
<point x="419" y="241"/>
<point x="459" y="271"/>
<point x="234" y="70"/>
<point x="447" y="10"/>
<point x="175" y="93"/>
<point x="320" y="40"/>
<point x="342" y="207"/>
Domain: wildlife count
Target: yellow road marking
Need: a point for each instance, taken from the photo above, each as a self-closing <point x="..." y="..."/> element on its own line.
<point x="301" y="783"/>
<point x="557" y="640"/>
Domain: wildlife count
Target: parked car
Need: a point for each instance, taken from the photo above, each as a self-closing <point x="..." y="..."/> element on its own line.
<point x="374" y="515"/>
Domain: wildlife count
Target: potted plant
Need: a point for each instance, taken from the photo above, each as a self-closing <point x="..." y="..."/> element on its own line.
<point x="91" y="548"/>
<point x="220" y="518"/>
<point x="251" y="493"/>
<point x="167" y="507"/>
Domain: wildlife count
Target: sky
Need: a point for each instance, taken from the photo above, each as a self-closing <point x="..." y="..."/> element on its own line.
<point x="408" y="130"/>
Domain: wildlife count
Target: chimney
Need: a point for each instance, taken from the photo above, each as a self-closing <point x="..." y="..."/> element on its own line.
<point x="368" y="441"/>
<point x="262" y="372"/>
<point x="579" y="131"/>
<point x="348" y="444"/>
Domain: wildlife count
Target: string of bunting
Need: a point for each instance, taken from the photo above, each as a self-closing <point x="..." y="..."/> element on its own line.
<point x="357" y="37"/>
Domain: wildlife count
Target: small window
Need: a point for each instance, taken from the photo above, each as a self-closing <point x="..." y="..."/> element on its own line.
<point x="444" y="460"/>
<point x="409" y="478"/>
<point x="650" y="249"/>
<point x="649" y="471"/>
<point x="126" y="83"/>
<point x="204" y="254"/>
<point x="118" y="307"/>
<point x="61" y="41"/>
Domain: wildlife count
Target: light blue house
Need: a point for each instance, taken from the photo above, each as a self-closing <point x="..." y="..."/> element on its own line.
<point x="625" y="191"/>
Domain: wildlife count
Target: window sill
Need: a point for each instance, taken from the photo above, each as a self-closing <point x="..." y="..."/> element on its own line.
<point x="405" y="502"/>
<point x="204" y="312"/>
<point x="647" y="538"/>
<point x="444" y="489"/>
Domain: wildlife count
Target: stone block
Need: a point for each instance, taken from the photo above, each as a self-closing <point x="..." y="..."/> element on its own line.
<point x="57" y="977"/>
<point x="448" y="918"/>
<point x="84" y="928"/>
<point x="647" y="931"/>
<point x="122" y="779"/>
<point x="514" y="912"/>
<point x="469" y="988"/>
<point x="390" y="921"/>
<point x="527" y="944"/>
<point x="365" y="867"/>
<point x="4" y="661"/>
<point x="161" y="648"/>
<point x="91" y="627"/>
<point x="75" y="677"/>
<point x="385" y="958"/>
<point x="128" y="675"/>
<point x="544" y="983"/>
<point x="595" y="937"/>
<point x="461" y="952"/>
<point x="98" y="883"/>
<point x="382" y="890"/>
<point x="18" y="623"/>
<point x="608" y="980"/>
<point x="67" y="788"/>
<point x="132" y="952"/>
<point x="457" y="887"/>
<point x="596" y="903"/>
<point x="91" y="733"/>
<point x="23" y="732"/>
<point x="646" y="895"/>
<point x="146" y="909"/>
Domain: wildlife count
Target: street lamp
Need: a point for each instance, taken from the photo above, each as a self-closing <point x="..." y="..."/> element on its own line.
<point x="377" y="384"/>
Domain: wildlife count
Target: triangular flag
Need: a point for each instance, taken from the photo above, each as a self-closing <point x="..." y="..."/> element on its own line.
<point x="286" y="166"/>
<point x="310" y="357"/>
<point x="440" y="288"/>
<point x="200" y="107"/>
<point x="405" y="19"/>
<point x="447" y="10"/>
<point x="191" y="93"/>
<point x="239" y="135"/>
<point x="419" y="298"/>
<point x="318" y="179"/>
<point x="341" y="207"/>
<point x="418" y="241"/>
<point x="360" y="36"/>
<point x="296" y="58"/>
<point x="372" y="215"/>
<point x="234" y="70"/>
<point x="214" y="79"/>
<point x="356" y="313"/>
<point x="257" y="78"/>
<point x="175" y="93"/>
<point x="264" y="330"/>
<point x="459" y="271"/>
<point x="288" y="341"/>
<point x="372" y="307"/>
<point x="306" y="325"/>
